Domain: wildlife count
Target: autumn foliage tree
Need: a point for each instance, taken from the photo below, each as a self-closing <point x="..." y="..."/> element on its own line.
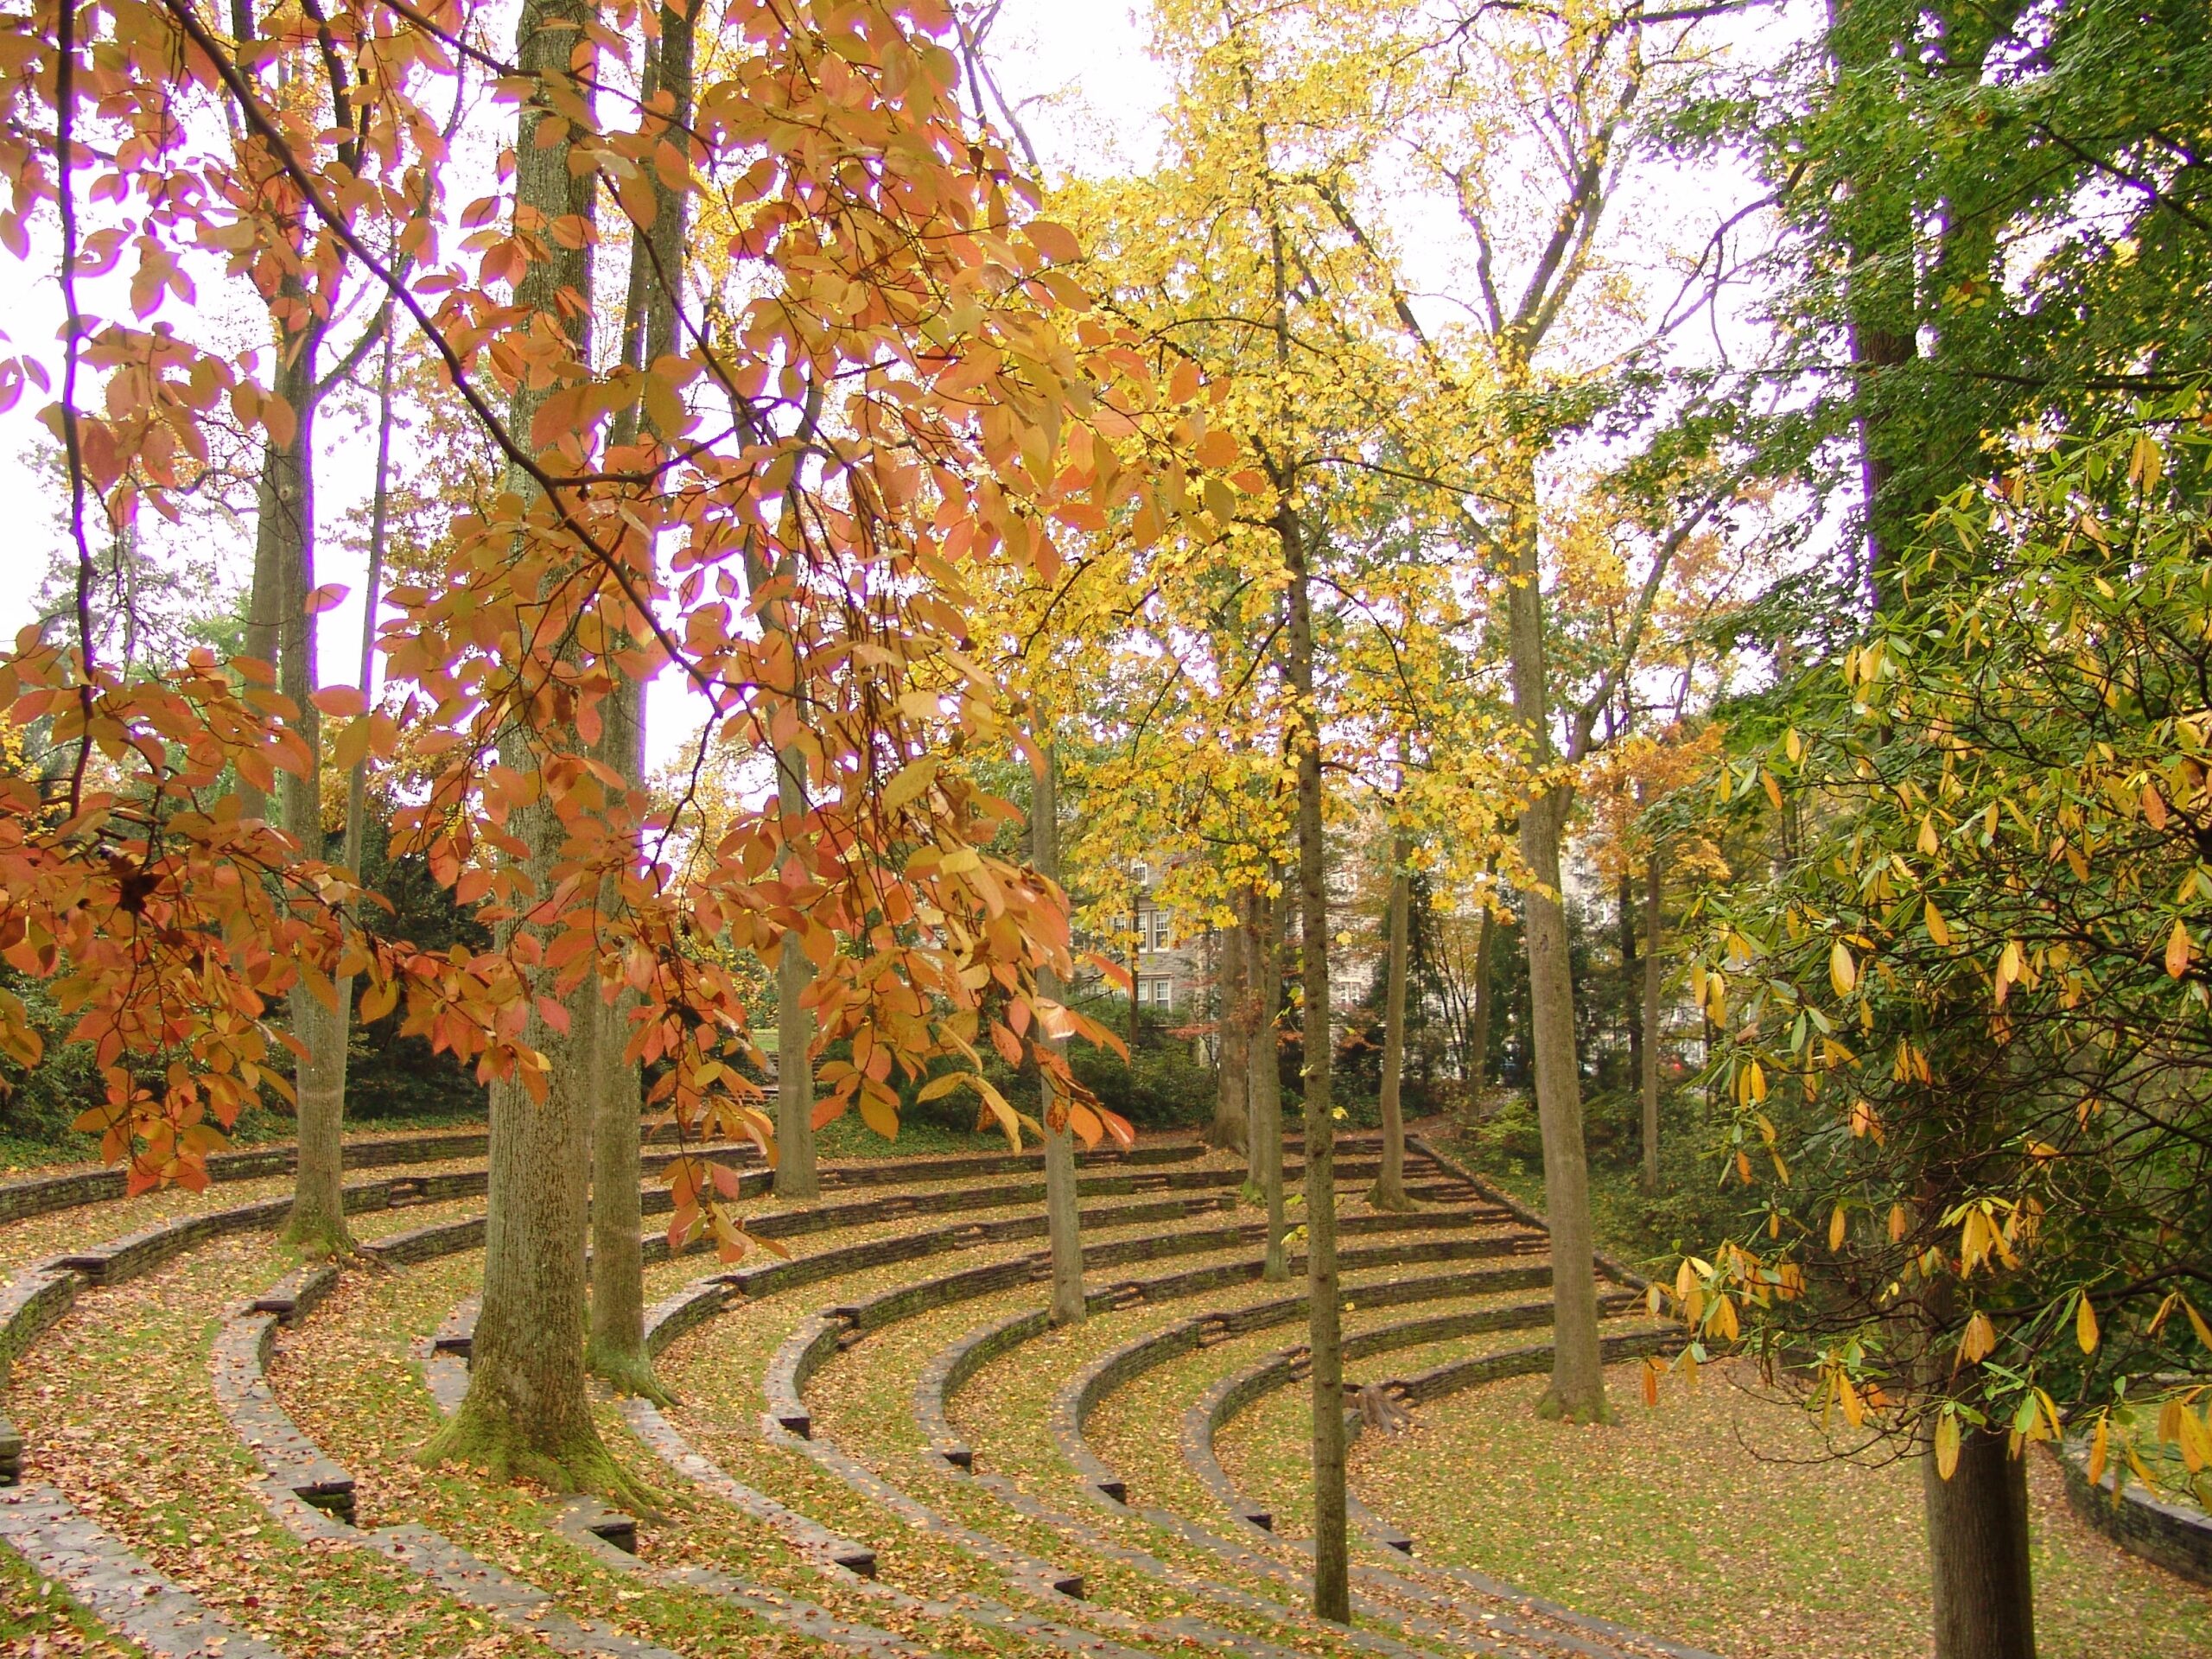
<point x="869" y="427"/>
<point x="1966" y="1019"/>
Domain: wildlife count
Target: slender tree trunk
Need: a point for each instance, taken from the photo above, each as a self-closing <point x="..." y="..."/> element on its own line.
<point x="1063" y="1221"/>
<point x="1632" y="983"/>
<point x="357" y="783"/>
<point x="1648" y="1070"/>
<point x="1981" y="1569"/>
<point x="1390" y="1190"/>
<point x="284" y="539"/>
<point x="1231" y="1129"/>
<point x="1263" y="1079"/>
<point x="526" y="1413"/>
<point x="1479" y="1037"/>
<point x="1578" y="1385"/>
<point x="615" y="1347"/>
<point x="798" y="1175"/>
<point x="1331" y="1561"/>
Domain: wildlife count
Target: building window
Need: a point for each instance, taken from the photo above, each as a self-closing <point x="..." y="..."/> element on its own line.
<point x="1159" y="930"/>
<point x="1153" y="990"/>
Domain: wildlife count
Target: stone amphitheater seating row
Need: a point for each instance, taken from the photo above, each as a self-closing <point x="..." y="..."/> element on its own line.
<point x="312" y="1494"/>
<point x="813" y="1341"/>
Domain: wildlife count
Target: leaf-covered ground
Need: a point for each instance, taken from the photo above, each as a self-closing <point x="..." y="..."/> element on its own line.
<point x="1722" y="1520"/>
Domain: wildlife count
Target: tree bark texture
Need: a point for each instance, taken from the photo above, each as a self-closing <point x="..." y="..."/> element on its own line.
<point x="1655" y="876"/>
<point x="1578" y="1384"/>
<point x="1231" y="1129"/>
<point x="526" y="1412"/>
<point x="1390" y="1190"/>
<point x="1979" y="1566"/>
<point x="1062" y="1221"/>
<point x="1325" y="1342"/>
<point x="1263" y="1078"/>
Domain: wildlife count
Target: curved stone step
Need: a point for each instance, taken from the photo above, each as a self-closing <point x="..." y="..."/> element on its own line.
<point x="114" y="1584"/>
<point x="243" y="1391"/>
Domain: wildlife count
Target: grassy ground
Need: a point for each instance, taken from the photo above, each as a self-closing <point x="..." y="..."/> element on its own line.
<point x="37" y="1621"/>
<point x="1722" y="1519"/>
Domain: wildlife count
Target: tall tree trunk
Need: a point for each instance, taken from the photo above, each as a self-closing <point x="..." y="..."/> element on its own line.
<point x="1324" y="1342"/>
<point x="526" y="1413"/>
<point x="284" y="540"/>
<point x="799" y="1176"/>
<point x="1648" y="1070"/>
<point x="1390" y="1190"/>
<point x="1981" y="1569"/>
<point x="614" y="1349"/>
<point x="1578" y="1385"/>
<point x="1231" y="1126"/>
<point x="1479" y="1037"/>
<point x="357" y="782"/>
<point x="1063" y="1221"/>
<point x="1632" y="983"/>
<point x="1263" y="1078"/>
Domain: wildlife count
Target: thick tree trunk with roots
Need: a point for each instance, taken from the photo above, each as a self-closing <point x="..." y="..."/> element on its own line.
<point x="526" y="1414"/>
<point x="1231" y="1126"/>
<point x="1263" y="1079"/>
<point x="1062" y="1221"/>
<point x="1648" y="1081"/>
<point x="1324" y="1332"/>
<point x="284" y="544"/>
<point x="1390" y="1190"/>
<point x="1979" y="1568"/>
<point x="1578" y="1385"/>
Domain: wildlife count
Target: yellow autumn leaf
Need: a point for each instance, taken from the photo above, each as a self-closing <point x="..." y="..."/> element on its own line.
<point x="2100" y="1449"/>
<point x="1938" y="929"/>
<point x="2085" y="1327"/>
<point x="1843" y="972"/>
<point x="1946" y="1445"/>
<point x="2178" y="949"/>
<point x="1978" y="1339"/>
<point x="1837" y="1225"/>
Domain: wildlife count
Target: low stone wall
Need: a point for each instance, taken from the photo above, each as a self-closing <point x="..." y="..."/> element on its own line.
<point x="2178" y="1536"/>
